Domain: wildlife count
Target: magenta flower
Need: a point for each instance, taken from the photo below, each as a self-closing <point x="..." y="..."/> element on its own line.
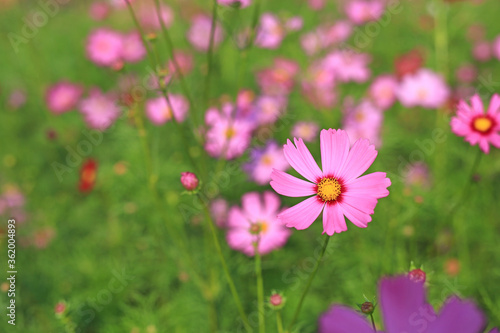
<point x="256" y="222"/>
<point x="476" y="126"/>
<point x="100" y="110"/>
<point x="104" y="47"/>
<point x="405" y="309"/>
<point x="336" y="190"/>
<point x="63" y="96"/>
<point x="263" y="161"/>
<point x="189" y="181"/>
<point x="360" y="11"/>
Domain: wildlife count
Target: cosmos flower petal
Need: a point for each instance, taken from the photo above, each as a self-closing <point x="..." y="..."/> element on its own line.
<point x="364" y="202"/>
<point x="360" y="157"/>
<point x="357" y="217"/>
<point x="271" y="203"/>
<point x="494" y="330"/>
<point x="251" y="205"/>
<point x="333" y="220"/>
<point x="334" y="150"/>
<point x="458" y="316"/>
<point x="403" y="303"/>
<point x="373" y="184"/>
<point x="340" y="319"/>
<point x="494" y="105"/>
<point x="291" y="186"/>
<point x="301" y="164"/>
<point x="303" y="214"/>
<point x="237" y="219"/>
<point x="477" y="104"/>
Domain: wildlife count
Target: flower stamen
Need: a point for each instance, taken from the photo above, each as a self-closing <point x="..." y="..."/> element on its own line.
<point x="329" y="189"/>
<point x="482" y="124"/>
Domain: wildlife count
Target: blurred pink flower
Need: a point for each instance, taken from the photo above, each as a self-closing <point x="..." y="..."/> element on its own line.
<point x="476" y="126"/>
<point x="184" y="61"/>
<point x="159" y="112"/>
<point x="417" y="175"/>
<point x="307" y="131"/>
<point x="424" y="88"/>
<point x="316" y="4"/>
<point x="256" y="223"/>
<point x="361" y="11"/>
<point x="242" y="3"/>
<point x="100" y="110"/>
<point x="349" y="66"/>
<point x="133" y="49"/>
<point x="294" y="23"/>
<point x="104" y="47"/>
<point x="496" y="47"/>
<point x="268" y="109"/>
<point x="279" y="79"/>
<point x="219" y="209"/>
<point x="17" y="99"/>
<point x="364" y="121"/>
<point x="383" y="91"/>
<point x="227" y="136"/>
<point x="270" y="32"/>
<point x="311" y="43"/>
<point x="482" y="51"/>
<point x="99" y="10"/>
<point x="263" y="160"/>
<point x="244" y="104"/>
<point x="337" y="190"/>
<point x="43" y="237"/>
<point x="149" y="17"/>
<point x="63" y="96"/>
<point x="466" y="73"/>
<point x="199" y="33"/>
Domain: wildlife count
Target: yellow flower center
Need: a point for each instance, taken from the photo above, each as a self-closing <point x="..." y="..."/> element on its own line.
<point x="259" y="227"/>
<point x="482" y="124"/>
<point x="230" y="132"/>
<point x="329" y="189"/>
<point x="267" y="160"/>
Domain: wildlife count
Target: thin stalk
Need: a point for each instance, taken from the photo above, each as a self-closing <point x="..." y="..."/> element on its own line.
<point x="373" y="322"/>
<point x="279" y="321"/>
<point x="210" y="54"/>
<point x="227" y="274"/>
<point x="260" y="288"/>
<point x="468" y="185"/>
<point x="309" y="282"/>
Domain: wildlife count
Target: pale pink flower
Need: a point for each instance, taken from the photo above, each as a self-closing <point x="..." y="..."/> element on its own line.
<point x="184" y="61"/>
<point x="279" y="79"/>
<point x="227" y="136"/>
<point x="63" y="96"/>
<point x="482" y="51"/>
<point x="337" y="33"/>
<point x="244" y="104"/>
<point x="199" y="33"/>
<point x="133" y="49"/>
<point x="418" y="174"/>
<point x="311" y="43"/>
<point x="496" y="47"/>
<point x="99" y="10"/>
<point x="100" y="110"/>
<point x="149" y="17"/>
<point x="336" y="190"/>
<point x="263" y="160"/>
<point x="316" y="4"/>
<point x="219" y="209"/>
<point x="294" y="23"/>
<point x="270" y="32"/>
<point x="307" y="131"/>
<point x="268" y="109"/>
<point x="476" y="126"/>
<point x="256" y="223"/>
<point x="466" y="73"/>
<point x="349" y="66"/>
<point x="364" y="121"/>
<point x="159" y="111"/>
<point x="361" y="11"/>
<point x="383" y="91"/>
<point x="104" y="47"/>
<point x="424" y="88"/>
<point x="241" y="3"/>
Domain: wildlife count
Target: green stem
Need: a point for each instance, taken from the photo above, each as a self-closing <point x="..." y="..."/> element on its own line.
<point x="373" y="323"/>
<point x="279" y="321"/>
<point x="227" y="274"/>
<point x="468" y="185"/>
<point x="260" y="288"/>
<point x="210" y="54"/>
<point x="441" y="36"/>
<point x="309" y="282"/>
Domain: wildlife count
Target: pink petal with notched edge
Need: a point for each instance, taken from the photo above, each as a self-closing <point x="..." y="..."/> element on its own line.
<point x="303" y="214"/>
<point x="304" y="164"/>
<point x="357" y="217"/>
<point x="373" y="184"/>
<point x="362" y="202"/>
<point x="334" y="150"/>
<point x="458" y="316"/>
<point x="340" y="319"/>
<point x="291" y="186"/>
<point x="271" y="204"/>
<point x="251" y="205"/>
<point x="403" y="304"/>
<point x="333" y="219"/>
<point x="477" y="104"/>
<point x="361" y="156"/>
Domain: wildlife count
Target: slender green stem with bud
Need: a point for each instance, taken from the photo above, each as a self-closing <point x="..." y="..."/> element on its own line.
<point x="279" y="321"/>
<point x="260" y="288"/>
<point x="308" y="285"/>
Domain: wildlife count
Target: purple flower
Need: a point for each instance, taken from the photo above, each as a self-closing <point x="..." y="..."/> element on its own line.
<point x="405" y="309"/>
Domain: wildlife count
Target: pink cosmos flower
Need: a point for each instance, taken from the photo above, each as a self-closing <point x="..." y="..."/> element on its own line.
<point x="149" y="17"/>
<point x="219" y="210"/>
<point x="104" y="47"/>
<point x="63" y="96"/>
<point x="307" y="131"/>
<point x="311" y="43"/>
<point x="241" y="3"/>
<point x="418" y="174"/>
<point x="482" y="51"/>
<point x="279" y="79"/>
<point x="270" y="32"/>
<point x="337" y="190"/>
<point x="360" y="11"/>
<point x="364" y="121"/>
<point x="294" y="23"/>
<point x="227" y="136"/>
<point x="100" y="110"/>
<point x="424" y="88"/>
<point x="263" y="161"/>
<point x="316" y="4"/>
<point x="184" y="61"/>
<point x="349" y="66"/>
<point x="133" y="49"/>
<point x="383" y="91"/>
<point x="268" y="109"/>
<point x="99" y="10"/>
<point x="476" y="126"/>
<point x="466" y="73"/>
<point x="159" y="112"/>
<point x="319" y="85"/>
<point x="199" y="33"/>
<point x="256" y="223"/>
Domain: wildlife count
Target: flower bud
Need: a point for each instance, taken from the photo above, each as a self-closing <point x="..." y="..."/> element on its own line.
<point x="189" y="181"/>
<point x="60" y="308"/>
<point x="276" y="300"/>
<point x="417" y="275"/>
<point x="367" y="307"/>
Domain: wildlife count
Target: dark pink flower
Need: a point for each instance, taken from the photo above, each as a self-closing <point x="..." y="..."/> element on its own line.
<point x="63" y="96"/>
